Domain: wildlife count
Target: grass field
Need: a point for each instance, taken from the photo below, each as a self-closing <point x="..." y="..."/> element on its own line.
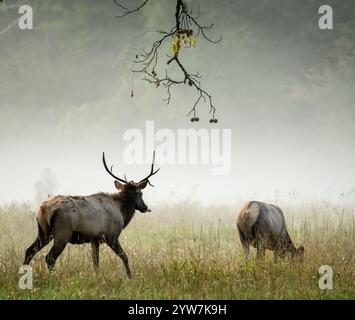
<point x="185" y="251"/>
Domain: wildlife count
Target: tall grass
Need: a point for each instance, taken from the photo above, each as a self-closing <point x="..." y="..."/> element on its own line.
<point x="184" y="251"/>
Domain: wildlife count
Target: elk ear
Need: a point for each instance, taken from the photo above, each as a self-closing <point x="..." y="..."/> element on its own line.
<point x="119" y="185"/>
<point x="142" y="185"/>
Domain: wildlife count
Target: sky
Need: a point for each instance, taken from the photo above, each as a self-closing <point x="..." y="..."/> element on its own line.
<point x="282" y="87"/>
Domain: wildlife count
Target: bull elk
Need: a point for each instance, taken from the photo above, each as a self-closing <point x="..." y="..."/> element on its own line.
<point x="97" y="218"/>
<point x="263" y="226"/>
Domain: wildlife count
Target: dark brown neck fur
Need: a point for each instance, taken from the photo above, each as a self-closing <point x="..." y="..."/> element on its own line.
<point x="126" y="199"/>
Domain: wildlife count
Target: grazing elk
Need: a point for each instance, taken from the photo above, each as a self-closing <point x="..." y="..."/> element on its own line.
<point x="94" y="219"/>
<point x="263" y="226"/>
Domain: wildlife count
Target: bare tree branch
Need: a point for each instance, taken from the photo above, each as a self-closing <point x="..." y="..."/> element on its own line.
<point x="128" y="11"/>
<point x="185" y="27"/>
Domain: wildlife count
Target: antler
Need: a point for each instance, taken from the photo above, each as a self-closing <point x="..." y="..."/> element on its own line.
<point x="152" y="172"/>
<point x="110" y="171"/>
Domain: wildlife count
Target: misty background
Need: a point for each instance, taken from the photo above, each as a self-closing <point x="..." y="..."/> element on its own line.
<point x="283" y="86"/>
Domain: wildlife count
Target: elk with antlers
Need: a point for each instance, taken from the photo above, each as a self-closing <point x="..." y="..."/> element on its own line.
<point x="98" y="218"/>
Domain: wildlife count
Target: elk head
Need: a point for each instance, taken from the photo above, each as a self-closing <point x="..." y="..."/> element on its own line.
<point x="133" y="189"/>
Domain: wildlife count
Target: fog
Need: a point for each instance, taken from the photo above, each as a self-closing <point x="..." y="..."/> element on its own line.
<point x="284" y="87"/>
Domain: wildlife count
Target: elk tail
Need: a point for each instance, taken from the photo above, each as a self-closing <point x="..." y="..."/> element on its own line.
<point x="44" y="218"/>
<point x="241" y="234"/>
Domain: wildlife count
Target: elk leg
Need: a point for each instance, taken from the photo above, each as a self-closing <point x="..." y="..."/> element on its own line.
<point x="55" y="252"/>
<point x="62" y="231"/>
<point x="40" y="242"/>
<point x="244" y="242"/>
<point x="260" y="251"/>
<point x="116" y="247"/>
<point x="95" y="249"/>
<point x="34" y="248"/>
<point x="246" y="249"/>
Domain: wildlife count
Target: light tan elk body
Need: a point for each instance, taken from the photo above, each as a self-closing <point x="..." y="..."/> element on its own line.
<point x="263" y="226"/>
<point x="94" y="219"/>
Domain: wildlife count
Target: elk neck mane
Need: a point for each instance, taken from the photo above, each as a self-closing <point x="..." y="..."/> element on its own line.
<point x="126" y="201"/>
